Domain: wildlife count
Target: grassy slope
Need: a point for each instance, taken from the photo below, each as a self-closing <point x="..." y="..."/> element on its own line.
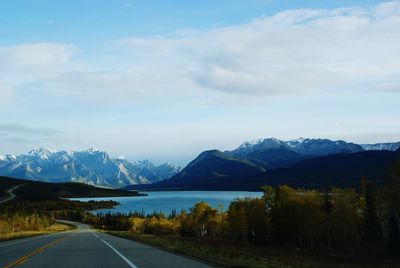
<point x="223" y="253"/>
<point x="5" y="184"/>
<point x="56" y="227"/>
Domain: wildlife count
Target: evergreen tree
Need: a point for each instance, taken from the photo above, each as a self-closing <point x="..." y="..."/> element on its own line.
<point x="372" y="232"/>
<point x="394" y="231"/>
<point x="327" y="207"/>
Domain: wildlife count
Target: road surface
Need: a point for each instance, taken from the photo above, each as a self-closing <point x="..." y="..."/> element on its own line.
<point x="85" y="247"/>
<point x="11" y="194"/>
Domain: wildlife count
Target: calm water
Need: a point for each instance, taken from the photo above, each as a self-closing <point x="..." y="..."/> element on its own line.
<point x="168" y="201"/>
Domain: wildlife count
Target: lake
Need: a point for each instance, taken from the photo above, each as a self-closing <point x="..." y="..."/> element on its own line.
<point x="166" y="202"/>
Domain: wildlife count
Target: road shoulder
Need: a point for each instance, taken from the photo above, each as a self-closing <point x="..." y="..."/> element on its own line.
<point x="159" y="243"/>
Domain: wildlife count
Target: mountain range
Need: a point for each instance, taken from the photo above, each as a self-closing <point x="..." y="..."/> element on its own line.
<point x="273" y="153"/>
<point x="301" y="162"/>
<point x="91" y="166"/>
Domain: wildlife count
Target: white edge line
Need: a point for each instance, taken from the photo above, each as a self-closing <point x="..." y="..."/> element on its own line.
<point x="116" y="251"/>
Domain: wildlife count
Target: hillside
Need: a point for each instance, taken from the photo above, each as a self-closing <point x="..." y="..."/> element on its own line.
<point x="343" y="170"/>
<point x="208" y="167"/>
<point x="215" y="163"/>
<point x="35" y="191"/>
<point x="276" y="158"/>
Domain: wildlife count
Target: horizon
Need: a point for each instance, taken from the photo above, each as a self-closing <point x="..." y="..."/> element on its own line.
<point x="185" y="163"/>
<point x="165" y="82"/>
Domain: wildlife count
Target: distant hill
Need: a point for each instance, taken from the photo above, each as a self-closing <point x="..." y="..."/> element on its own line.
<point x="344" y="170"/>
<point x="34" y="191"/>
<point x="276" y="157"/>
<point x="91" y="166"/>
<point x="212" y="165"/>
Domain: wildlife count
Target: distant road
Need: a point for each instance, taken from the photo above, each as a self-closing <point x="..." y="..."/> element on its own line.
<point x="85" y="247"/>
<point x="11" y="194"/>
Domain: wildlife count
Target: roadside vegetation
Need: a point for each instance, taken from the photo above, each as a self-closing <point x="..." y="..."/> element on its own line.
<point x="38" y="204"/>
<point x="287" y="227"/>
<point x="17" y="226"/>
<point x="34" y="210"/>
<point x="25" y="218"/>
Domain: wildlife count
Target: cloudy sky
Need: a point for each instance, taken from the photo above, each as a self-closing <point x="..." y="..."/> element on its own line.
<point x="165" y="80"/>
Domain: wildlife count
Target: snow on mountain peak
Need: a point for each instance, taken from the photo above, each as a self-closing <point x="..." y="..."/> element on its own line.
<point x="91" y="166"/>
<point x="253" y="143"/>
<point x="256" y="142"/>
<point x="93" y="150"/>
<point x="257" y="145"/>
<point x="41" y="151"/>
<point x="11" y="157"/>
<point x="299" y="140"/>
<point x="301" y="145"/>
<point x="388" y="146"/>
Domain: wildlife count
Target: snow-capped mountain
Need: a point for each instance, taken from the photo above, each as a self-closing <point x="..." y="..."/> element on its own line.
<point x="317" y="147"/>
<point x="322" y="147"/>
<point x="258" y="145"/>
<point x="389" y="146"/>
<point x="306" y="146"/>
<point x="91" y="166"/>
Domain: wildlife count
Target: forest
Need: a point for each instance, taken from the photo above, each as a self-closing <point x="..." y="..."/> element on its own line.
<point x="341" y="221"/>
<point x="35" y="216"/>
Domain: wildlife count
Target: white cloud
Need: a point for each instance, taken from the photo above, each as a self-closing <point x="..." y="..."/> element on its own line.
<point x="36" y="56"/>
<point x="210" y="88"/>
<point x="22" y="129"/>
<point x="32" y="64"/>
<point x="393" y="87"/>
<point x="294" y="51"/>
<point x="4" y="92"/>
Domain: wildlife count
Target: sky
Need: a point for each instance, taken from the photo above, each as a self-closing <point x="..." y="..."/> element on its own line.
<point x="165" y="80"/>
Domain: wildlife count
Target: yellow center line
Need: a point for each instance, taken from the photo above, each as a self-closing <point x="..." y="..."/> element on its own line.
<point x="26" y="257"/>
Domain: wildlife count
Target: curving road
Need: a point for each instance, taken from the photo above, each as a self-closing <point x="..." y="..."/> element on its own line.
<point x="85" y="247"/>
<point x="11" y="194"/>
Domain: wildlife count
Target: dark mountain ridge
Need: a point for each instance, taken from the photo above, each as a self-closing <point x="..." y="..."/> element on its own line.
<point x="344" y="170"/>
<point x="37" y="191"/>
<point x="214" y="164"/>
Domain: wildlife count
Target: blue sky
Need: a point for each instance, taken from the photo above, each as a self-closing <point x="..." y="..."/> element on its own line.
<point x="165" y="80"/>
<point x="86" y="22"/>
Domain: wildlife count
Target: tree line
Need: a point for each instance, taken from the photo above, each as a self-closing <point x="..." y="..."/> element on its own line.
<point x="25" y="215"/>
<point x="24" y="222"/>
<point x="342" y="221"/>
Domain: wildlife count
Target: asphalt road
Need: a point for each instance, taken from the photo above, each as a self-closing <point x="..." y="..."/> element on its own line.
<point x="11" y="194"/>
<point x="85" y="247"/>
